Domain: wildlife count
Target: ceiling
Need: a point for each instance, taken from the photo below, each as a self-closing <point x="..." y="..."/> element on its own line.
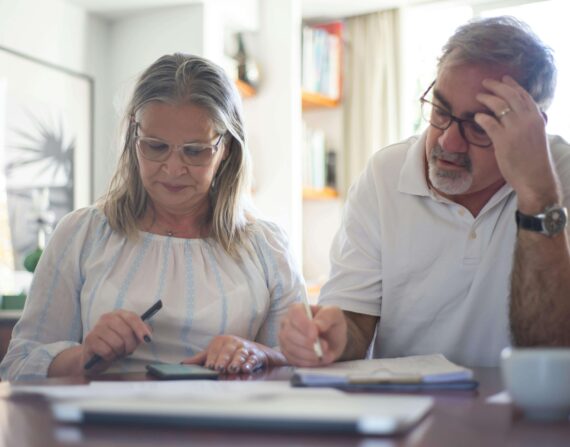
<point x="310" y="8"/>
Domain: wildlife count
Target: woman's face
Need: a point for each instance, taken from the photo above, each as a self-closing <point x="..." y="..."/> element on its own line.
<point x="173" y="182"/>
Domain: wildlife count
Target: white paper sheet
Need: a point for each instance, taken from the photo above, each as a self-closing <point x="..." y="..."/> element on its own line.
<point x="171" y="389"/>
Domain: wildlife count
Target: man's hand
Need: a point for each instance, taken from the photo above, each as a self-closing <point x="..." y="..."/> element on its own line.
<point x="298" y="334"/>
<point x="521" y="145"/>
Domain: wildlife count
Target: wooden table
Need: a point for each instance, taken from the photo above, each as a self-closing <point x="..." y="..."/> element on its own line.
<point x="459" y="418"/>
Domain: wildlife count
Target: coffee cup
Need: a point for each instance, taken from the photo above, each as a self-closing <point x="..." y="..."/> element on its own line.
<point x="538" y="381"/>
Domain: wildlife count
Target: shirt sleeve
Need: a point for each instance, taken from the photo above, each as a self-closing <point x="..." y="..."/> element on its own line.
<point x="355" y="282"/>
<point x="284" y="280"/>
<point x="51" y="319"/>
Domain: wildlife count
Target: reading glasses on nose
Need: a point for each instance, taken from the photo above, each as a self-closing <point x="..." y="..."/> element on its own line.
<point x="194" y="154"/>
<point x="441" y="118"/>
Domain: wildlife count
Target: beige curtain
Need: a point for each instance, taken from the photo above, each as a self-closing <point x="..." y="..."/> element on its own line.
<point x="371" y="99"/>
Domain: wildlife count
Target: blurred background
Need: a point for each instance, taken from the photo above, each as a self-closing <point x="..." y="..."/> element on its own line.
<point x="325" y="83"/>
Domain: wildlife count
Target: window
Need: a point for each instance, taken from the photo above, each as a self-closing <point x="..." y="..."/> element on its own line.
<point x="549" y="20"/>
<point x="426" y="28"/>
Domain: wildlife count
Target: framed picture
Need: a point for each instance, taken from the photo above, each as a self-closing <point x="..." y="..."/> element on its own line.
<point x="46" y="136"/>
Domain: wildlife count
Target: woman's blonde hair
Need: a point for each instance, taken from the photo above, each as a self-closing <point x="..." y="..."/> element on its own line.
<point x="187" y="79"/>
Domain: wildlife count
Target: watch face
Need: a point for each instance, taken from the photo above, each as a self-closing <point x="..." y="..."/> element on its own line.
<point x="555" y="220"/>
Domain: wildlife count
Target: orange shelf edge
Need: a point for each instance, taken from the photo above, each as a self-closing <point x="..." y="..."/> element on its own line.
<point x="246" y="90"/>
<point x="320" y="194"/>
<point x="312" y="100"/>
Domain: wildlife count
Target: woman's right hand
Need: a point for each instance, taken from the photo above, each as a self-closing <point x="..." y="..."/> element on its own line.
<point x="116" y="334"/>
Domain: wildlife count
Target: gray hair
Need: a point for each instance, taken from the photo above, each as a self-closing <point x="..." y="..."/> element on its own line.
<point x="510" y="43"/>
<point x="186" y="79"/>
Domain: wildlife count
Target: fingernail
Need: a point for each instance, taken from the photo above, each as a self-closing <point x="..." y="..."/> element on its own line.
<point x="210" y="366"/>
<point x="233" y="368"/>
<point x="147" y="339"/>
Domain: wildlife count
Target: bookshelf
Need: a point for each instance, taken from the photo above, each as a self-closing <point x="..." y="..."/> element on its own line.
<point x="322" y="144"/>
<point x="321" y="90"/>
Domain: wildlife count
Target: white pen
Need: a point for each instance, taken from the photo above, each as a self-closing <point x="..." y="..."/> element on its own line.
<point x="317" y="345"/>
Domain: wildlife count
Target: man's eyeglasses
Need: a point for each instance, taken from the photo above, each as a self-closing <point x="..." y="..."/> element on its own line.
<point x="193" y="154"/>
<point x="441" y="118"/>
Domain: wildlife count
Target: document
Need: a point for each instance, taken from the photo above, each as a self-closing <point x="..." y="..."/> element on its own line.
<point x="414" y="372"/>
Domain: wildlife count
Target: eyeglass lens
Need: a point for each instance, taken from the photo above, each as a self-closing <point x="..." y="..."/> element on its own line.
<point x="440" y="118"/>
<point x="192" y="154"/>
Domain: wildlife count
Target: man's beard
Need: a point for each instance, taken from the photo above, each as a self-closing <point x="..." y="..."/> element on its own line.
<point x="452" y="181"/>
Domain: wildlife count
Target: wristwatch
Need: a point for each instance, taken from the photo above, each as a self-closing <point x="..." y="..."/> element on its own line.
<point x="551" y="222"/>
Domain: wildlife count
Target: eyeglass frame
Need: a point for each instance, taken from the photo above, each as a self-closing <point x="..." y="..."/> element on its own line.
<point x="452" y="119"/>
<point x="176" y="147"/>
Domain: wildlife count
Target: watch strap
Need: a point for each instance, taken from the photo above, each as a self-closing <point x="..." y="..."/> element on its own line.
<point x="527" y="222"/>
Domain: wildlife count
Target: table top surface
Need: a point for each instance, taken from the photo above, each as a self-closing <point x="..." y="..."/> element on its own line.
<point x="459" y="418"/>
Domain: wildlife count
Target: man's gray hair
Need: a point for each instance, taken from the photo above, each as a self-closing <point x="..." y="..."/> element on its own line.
<point x="508" y="42"/>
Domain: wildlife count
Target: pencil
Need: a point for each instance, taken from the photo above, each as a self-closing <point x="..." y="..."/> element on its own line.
<point x="145" y="316"/>
<point x="317" y="345"/>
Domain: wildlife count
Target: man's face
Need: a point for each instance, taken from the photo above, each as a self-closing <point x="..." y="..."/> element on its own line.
<point x="457" y="168"/>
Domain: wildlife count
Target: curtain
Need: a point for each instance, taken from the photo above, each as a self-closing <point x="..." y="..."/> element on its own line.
<point x="371" y="98"/>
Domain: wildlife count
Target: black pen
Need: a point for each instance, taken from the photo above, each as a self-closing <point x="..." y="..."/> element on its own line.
<point x="145" y="316"/>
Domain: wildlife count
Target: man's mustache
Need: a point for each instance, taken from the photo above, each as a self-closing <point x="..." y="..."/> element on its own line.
<point x="457" y="158"/>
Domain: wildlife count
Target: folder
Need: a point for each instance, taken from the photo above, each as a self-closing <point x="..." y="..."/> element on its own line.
<point x="414" y="373"/>
<point x="328" y="413"/>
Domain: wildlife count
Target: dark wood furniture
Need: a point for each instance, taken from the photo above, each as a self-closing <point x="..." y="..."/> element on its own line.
<point x="458" y="419"/>
<point x="8" y="318"/>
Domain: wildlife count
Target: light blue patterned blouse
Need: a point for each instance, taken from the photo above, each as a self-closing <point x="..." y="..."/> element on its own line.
<point x="88" y="269"/>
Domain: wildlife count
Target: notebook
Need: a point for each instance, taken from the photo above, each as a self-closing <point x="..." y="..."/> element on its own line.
<point x="299" y="412"/>
<point x="403" y="373"/>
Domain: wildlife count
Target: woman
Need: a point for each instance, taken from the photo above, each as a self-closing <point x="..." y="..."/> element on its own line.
<point x="173" y="226"/>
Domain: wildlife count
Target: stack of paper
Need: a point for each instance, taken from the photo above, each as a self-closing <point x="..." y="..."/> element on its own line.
<point x="415" y="372"/>
<point x="247" y="405"/>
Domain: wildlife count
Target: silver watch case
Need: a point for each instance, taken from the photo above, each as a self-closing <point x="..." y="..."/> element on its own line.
<point x="551" y="222"/>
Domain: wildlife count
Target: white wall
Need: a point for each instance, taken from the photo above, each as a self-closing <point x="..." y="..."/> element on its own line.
<point x="50" y="30"/>
<point x="273" y="118"/>
<point x="96" y="63"/>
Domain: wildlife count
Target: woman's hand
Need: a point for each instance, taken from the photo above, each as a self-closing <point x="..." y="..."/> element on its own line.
<point x="116" y="334"/>
<point x="232" y="354"/>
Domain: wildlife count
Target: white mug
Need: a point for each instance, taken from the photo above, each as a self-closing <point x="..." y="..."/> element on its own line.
<point x="538" y="381"/>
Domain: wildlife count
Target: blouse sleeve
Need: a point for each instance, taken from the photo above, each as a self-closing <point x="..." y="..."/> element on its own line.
<point x="51" y="319"/>
<point x="284" y="280"/>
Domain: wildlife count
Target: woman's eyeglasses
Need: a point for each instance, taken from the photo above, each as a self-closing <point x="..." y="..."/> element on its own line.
<point x="193" y="154"/>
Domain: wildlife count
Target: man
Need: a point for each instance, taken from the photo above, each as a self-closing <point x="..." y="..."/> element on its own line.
<point x="430" y="256"/>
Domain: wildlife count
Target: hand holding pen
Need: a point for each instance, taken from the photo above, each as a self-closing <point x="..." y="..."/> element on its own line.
<point x="317" y="345"/>
<point x="118" y="334"/>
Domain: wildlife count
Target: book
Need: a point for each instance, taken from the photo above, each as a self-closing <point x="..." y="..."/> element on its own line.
<point x="403" y="373"/>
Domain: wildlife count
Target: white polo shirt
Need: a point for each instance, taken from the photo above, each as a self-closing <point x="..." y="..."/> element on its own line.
<point x="438" y="277"/>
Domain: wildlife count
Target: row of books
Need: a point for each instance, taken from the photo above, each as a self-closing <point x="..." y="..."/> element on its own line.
<point x="321" y="62"/>
<point x="319" y="162"/>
